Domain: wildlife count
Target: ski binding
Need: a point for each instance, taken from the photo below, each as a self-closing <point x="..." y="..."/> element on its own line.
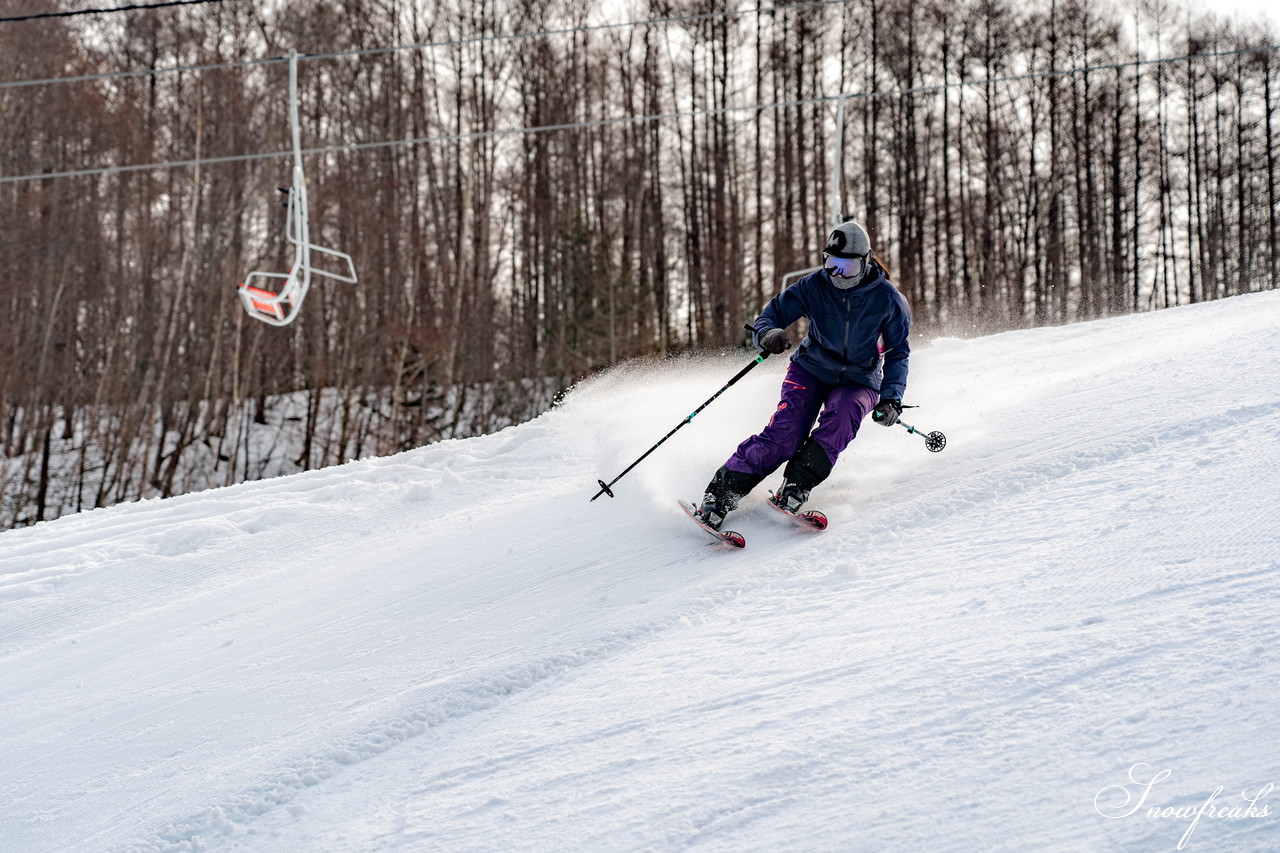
<point x="810" y="519"/>
<point x="727" y="537"/>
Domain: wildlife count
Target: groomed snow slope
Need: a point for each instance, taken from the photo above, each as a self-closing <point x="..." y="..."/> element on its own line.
<point x="451" y="649"/>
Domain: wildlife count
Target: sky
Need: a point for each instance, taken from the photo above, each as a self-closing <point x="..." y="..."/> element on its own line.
<point x="1244" y="8"/>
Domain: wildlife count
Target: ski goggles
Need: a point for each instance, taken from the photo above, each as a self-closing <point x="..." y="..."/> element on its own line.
<point x="853" y="267"/>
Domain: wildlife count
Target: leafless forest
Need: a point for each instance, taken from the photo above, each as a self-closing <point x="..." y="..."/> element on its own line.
<point x="532" y="192"/>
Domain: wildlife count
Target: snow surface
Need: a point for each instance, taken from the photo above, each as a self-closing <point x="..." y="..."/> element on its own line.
<point x="451" y="649"/>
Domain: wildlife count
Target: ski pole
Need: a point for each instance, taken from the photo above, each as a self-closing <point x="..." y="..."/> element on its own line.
<point x="605" y="487"/>
<point x="933" y="441"/>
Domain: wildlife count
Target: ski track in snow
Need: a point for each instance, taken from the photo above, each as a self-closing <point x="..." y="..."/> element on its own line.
<point x="452" y="649"/>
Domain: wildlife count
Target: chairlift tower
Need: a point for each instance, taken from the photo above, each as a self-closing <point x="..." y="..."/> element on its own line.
<point x="273" y="297"/>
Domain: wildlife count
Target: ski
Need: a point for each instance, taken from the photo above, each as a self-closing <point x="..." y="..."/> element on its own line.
<point x="810" y="519"/>
<point x="727" y="537"/>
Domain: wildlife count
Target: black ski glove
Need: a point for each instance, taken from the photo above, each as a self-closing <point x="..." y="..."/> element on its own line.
<point x="886" y="411"/>
<point x="774" y="341"/>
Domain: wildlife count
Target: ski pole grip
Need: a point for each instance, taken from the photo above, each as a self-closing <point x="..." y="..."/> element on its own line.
<point x="764" y="353"/>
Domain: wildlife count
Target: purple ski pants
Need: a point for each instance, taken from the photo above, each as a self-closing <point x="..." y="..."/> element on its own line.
<point x="842" y="409"/>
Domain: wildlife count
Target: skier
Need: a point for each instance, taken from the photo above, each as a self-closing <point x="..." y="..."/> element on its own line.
<point x="853" y="361"/>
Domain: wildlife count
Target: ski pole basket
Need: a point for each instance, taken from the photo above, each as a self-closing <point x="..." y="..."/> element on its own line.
<point x="273" y="297"/>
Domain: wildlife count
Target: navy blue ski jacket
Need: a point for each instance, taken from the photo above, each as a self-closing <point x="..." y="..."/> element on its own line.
<point x="845" y="330"/>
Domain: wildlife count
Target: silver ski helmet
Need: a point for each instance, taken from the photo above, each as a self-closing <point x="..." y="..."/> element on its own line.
<point x="847" y="254"/>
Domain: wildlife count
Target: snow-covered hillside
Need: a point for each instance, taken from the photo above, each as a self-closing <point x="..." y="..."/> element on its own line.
<point x="452" y="649"/>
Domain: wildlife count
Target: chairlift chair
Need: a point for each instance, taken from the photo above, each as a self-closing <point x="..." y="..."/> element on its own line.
<point x="272" y="297"/>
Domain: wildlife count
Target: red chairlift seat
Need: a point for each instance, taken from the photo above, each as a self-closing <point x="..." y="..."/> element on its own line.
<point x="273" y="297"/>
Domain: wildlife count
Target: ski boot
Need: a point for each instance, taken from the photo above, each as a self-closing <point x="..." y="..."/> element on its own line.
<point x="724" y="491"/>
<point x="790" y="497"/>
<point x="713" y="510"/>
